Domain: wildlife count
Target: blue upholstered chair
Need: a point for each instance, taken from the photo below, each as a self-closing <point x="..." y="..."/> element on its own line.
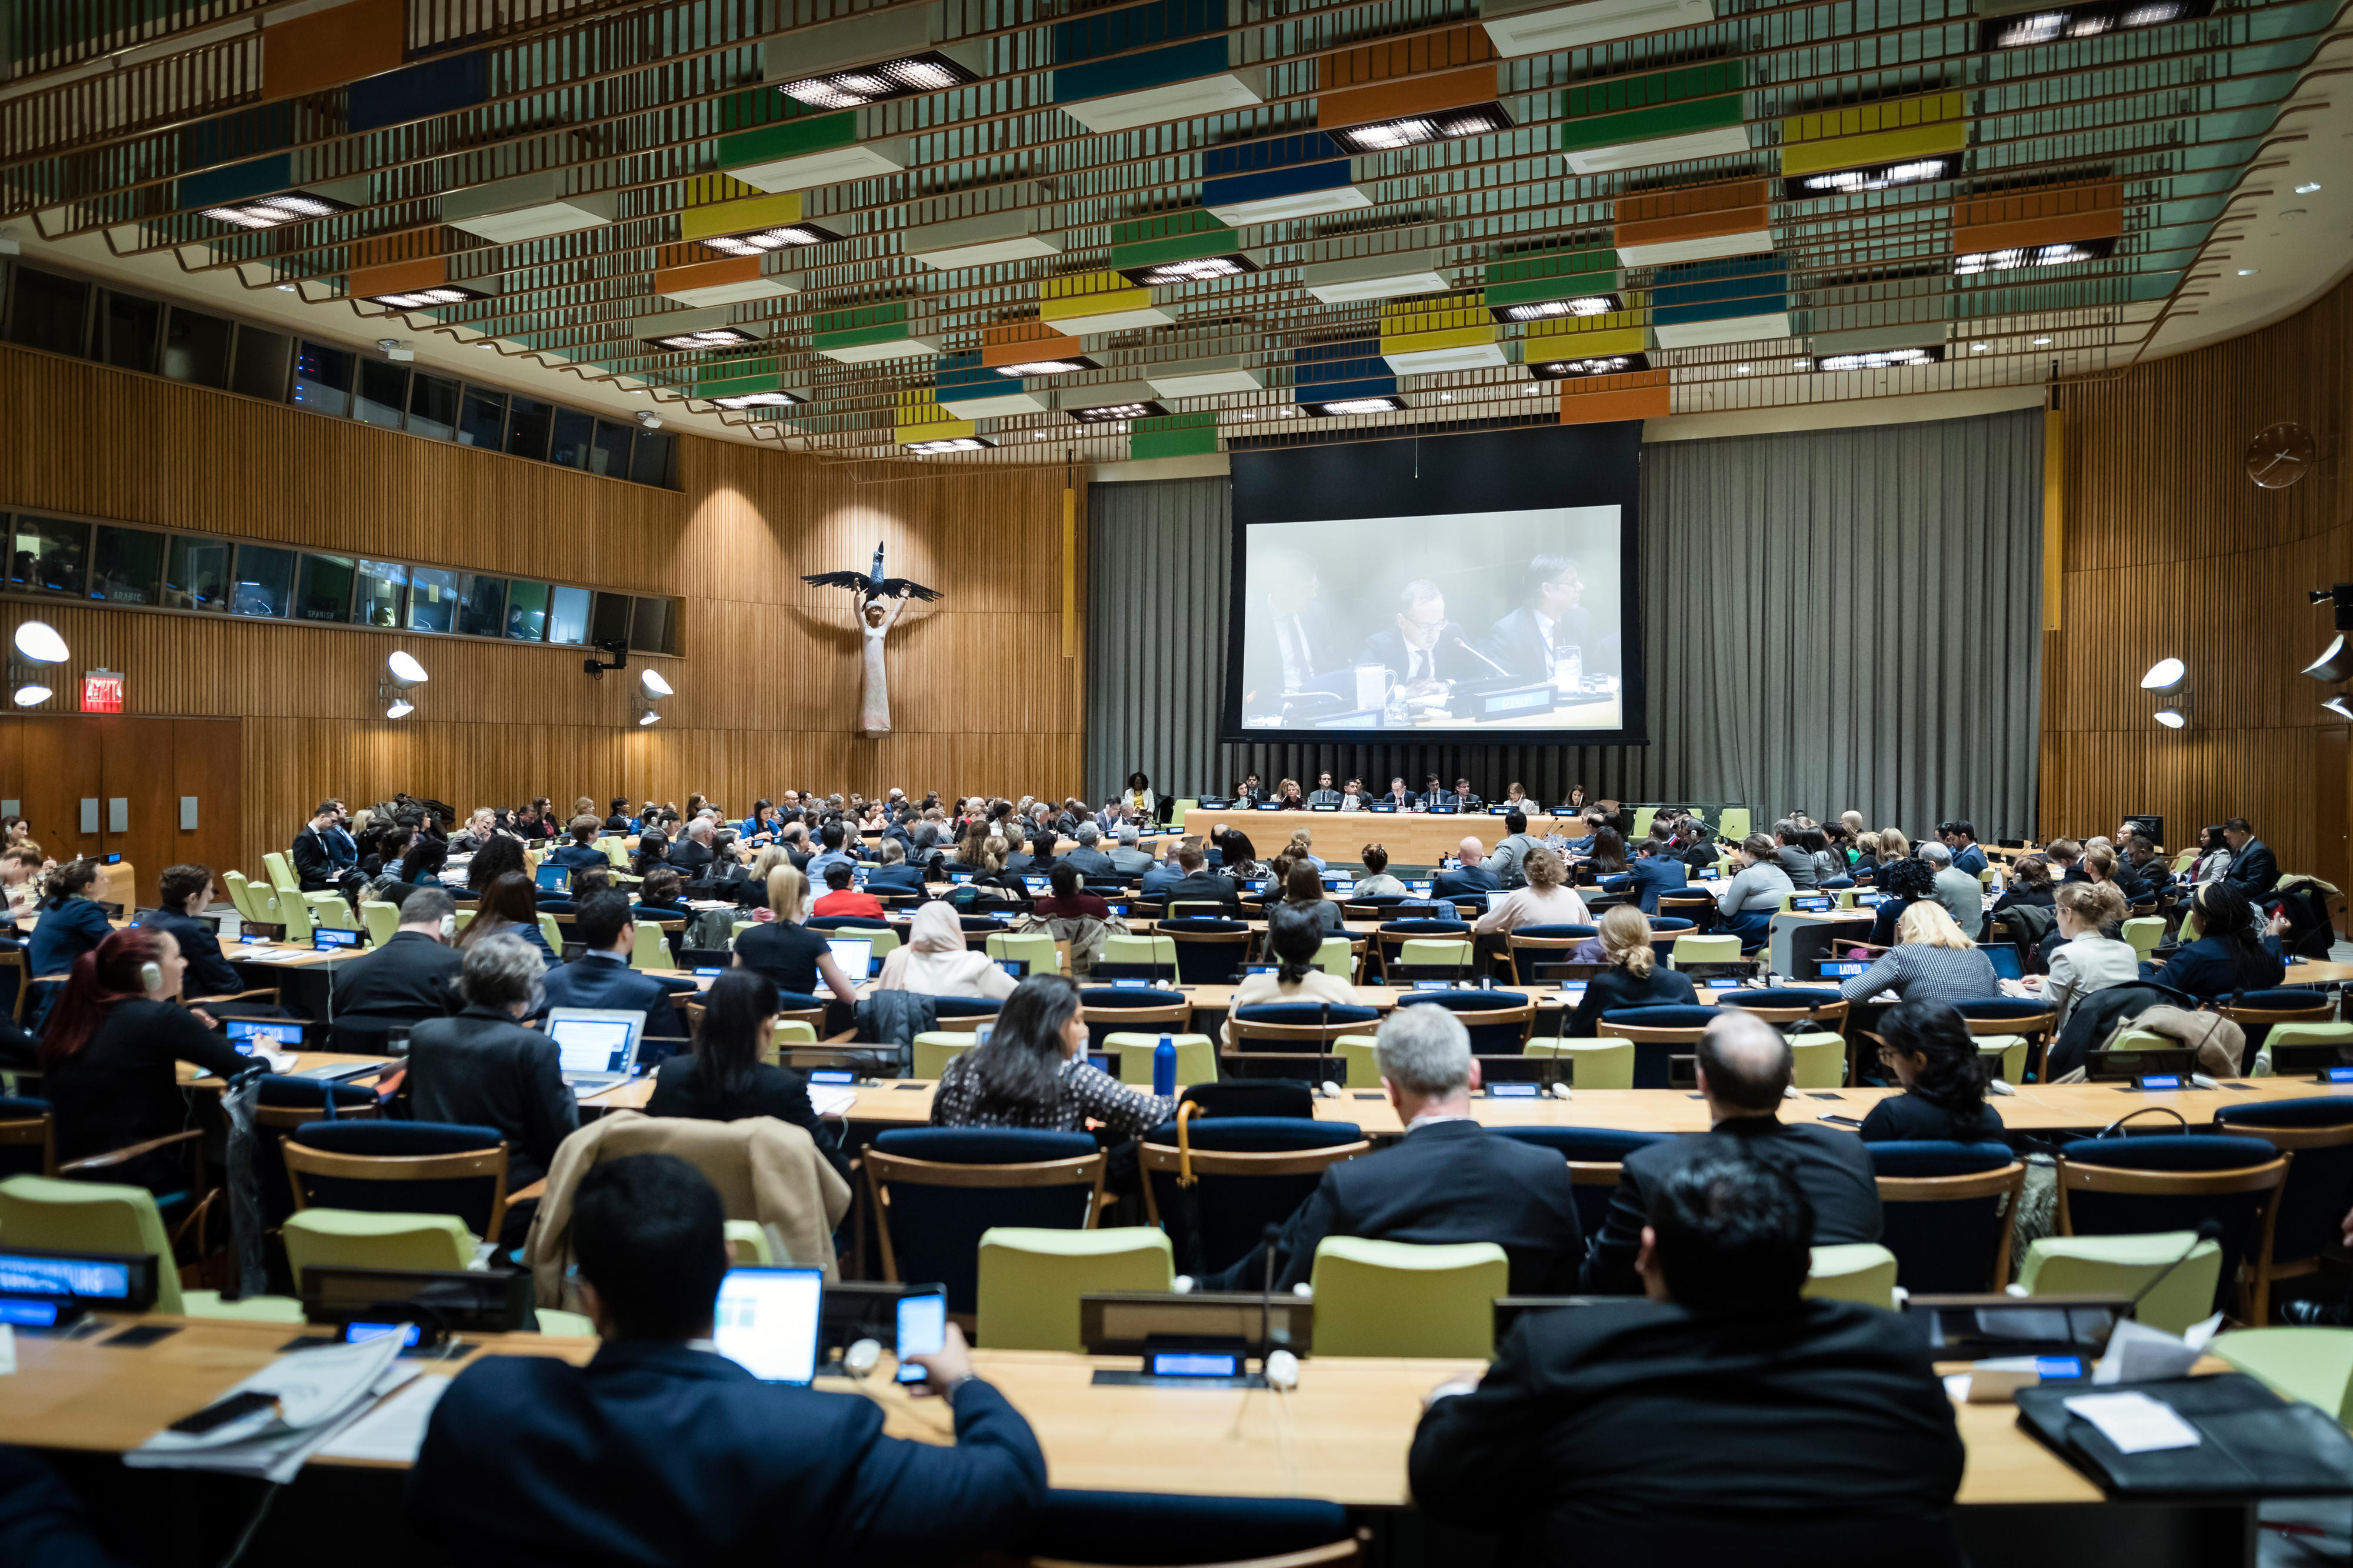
<point x="936" y="1189"/>
<point x="1947" y="1212"/>
<point x="371" y="1166"/>
<point x="1248" y="1172"/>
<point x="2320" y="1133"/>
<point x="1599" y="1151"/>
<point x="1660" y="1035"/>
<point x="2235" y="1181"/>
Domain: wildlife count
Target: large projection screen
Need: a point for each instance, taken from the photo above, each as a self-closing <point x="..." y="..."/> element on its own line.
<point x="1475" y="588"/>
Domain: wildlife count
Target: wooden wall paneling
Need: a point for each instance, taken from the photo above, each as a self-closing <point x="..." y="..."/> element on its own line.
<point x="207" y="762"/>
<point x="59" y="770"/>
<point x="135" y="767"/>
<point x="2170" y="551"/>
<point x="767" y="682"/>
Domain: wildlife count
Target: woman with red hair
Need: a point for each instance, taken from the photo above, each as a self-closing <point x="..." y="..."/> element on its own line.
<point x="109" y="1060"/>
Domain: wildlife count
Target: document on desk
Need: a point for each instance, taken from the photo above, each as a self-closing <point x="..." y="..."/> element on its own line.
<point x="395" y="1430"/>
<point x="2134" y="1422"/>
<point x="832" y="1101"/>
<point x="316" y="1394"/>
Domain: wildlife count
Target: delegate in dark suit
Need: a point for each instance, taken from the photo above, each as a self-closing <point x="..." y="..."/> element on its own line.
<point x="485" y="1069"/>
<point x="1830" y="1164"/>
<point x="1086" y="859"/>
<point x="1205" y="887"/>
<point x="209" y="973"/>
<point x="1450" y="659"/>
<point x="576" y="856"/>
<point x="1470" y="881"/>
<point x="1634" y="1434"/>
<point x="410" y="979"/>
<point x="1162" y="875"/>
<point x="680" y="1089"/>
<point x="1127" y="862"/>
<point x="657" y="1453"/>
<point x="321" y="859"/>
<point x="1618" y="986"/>
<point x="2255" y="869"/>
<point x="1442" y="1182"/>
<point x="1516" y="642"/>
<point x="1656" y="873"/>
<point x="692" y="860"/>
<point x="606" y="980"/>
<point x="900" y="877"/>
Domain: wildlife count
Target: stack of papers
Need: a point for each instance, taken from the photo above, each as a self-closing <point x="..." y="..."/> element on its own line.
<point x="832" y="1100"/>
<point x="318" y="1393"/>
<point x="394" y="1431"/>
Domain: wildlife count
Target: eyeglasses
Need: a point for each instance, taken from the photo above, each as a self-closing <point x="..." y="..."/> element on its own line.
<point x="1421" y="625"/>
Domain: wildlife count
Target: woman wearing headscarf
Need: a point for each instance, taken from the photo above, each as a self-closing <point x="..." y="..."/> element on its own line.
<point x="935" y="961"/>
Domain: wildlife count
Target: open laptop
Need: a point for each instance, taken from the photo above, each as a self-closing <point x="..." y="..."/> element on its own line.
<point x="596" y="1047"/>
<point x="855" y="954"/>
<point x="767" y="1322"/>
<point x="553" y="879"/>
<point x="1495" y="898"/>
<point x="2007" y="963"/>
<point x="246" y="1036"/>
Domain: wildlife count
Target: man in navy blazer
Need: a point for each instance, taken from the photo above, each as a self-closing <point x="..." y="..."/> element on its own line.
<point x="662" y="1451"/>
<point x="2255" y="869"/>
<point x="1656" y="871"/>
<point x="601" y="977"/>
<point x="895" y="875"/>
<point x="1472" y="878"/>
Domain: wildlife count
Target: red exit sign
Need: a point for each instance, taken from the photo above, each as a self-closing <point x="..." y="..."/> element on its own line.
<point x="102" y="691"/>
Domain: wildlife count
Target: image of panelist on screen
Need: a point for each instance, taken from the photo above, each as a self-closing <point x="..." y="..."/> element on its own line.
<point x="1388" y="622"/>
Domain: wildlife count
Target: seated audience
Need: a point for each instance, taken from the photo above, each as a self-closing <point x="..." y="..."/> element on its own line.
<point x="583" y="851"/>
<point x="1609" y="856"/>
<point x="1958" y="892"/>
<point x="1070" y="901"/>
<point x="21" y="879"/>
<point x="1928" y="1047"/>
<point x="2254" y="869"/>
<point x="935" y="961"/>
<point x="1546" y="900"/>
<point x="484" y="1069"/>
<point x="1749" y="901"/>
<point x="653" y="851"/>
<point x="509" y="907"/>
<point x="1376" y="882"/>
<point x="1302" y="889"/>
<point x="412" y="977"/>
<point x="1960" y="842"/>
<point x="1129" y="858"/>
<point x="661" y="1452"/>
<point x="662" y="896"/>
<point x="727" y="1077"/>
<point x="1302" y="848"/>
<point x="185" y="892"/>
<point x="2229" y="947"/>
<point x="481" y="826"/>
<point x="1796" y="862"/>
<point x="1635" y="978"/>
<point x="1904" y="882"/>
<point x="1199" y="884"/>
<point x="1032" y="1072"/>
<point x="421" y="866"/>
<point x="893" y="874"/>
<point x="491" y="861"/>
<point x="1864" y="866"/>
<point x="1235" y="854"/>
<point x="109" y="1060"/>
<point x="2030" y="884"/>
<point x="70" y="922"/>
<point x="1657" y="869"/>
<point x="1724" y="1419"/>
<point x="695" y="854"/>
<point x="794" y="957"/>
<point x="2086" y="959"/>
<point x="2141" y="853"/>
<point x="1510" y="858"/>
<point x="1296" y="939"/>
<point x="1744" y="1068"/>
<point x="1448" y="1180"/>
<point x="1087" y="856"/>
<point x="841" y="898"/>
<point x="325" y="857"/>
<point x="601" y="977"/>
<point x="1932" y="962"/>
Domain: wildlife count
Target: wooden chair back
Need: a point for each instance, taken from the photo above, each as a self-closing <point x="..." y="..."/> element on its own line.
<point x="460" y="1164"/>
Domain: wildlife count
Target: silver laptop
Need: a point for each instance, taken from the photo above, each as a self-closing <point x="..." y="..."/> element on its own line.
<point x="596" y="1047"/>
<point x="1495" y="900"/>
<point x="855" y="954"/>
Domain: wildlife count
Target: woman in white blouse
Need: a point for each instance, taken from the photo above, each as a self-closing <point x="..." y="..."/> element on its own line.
<point x="2087" y="961"/>
<point x="1546" y="900"/>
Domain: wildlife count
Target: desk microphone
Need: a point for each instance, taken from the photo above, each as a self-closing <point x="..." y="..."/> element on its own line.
<point x="1482" y="657"/>
<point x="1266" y="1295"/>
<point x="2208" y="1230"/>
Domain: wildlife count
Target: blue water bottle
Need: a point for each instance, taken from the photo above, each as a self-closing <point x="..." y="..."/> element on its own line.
<point x="1164" y="1065"/>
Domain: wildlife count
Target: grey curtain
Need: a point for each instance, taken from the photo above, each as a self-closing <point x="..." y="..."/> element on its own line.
<point x="1830" y="619"/>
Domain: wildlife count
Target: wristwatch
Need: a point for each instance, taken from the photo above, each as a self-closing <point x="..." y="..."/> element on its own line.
<point x="947" y="1391"/>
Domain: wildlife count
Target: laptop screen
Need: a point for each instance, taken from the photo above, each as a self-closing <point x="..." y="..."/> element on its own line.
<point x="268" y="1033"/>
<point x="2007" y="964"/>
<point x="554" y="878"/>
<point x="595" y="1042"/>
<point x="853" y="953"/>
<point x="767" y="1322"/>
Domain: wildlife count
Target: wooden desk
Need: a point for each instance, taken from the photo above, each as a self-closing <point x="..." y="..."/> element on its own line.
<point x="303" y="1061"/>
<point x="1411" y="837"/>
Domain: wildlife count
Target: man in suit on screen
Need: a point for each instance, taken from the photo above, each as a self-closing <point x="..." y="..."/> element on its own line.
<point x="1290" y="639"/>
<point x="1534" y="640"/>
<point x="1423" y="648"/>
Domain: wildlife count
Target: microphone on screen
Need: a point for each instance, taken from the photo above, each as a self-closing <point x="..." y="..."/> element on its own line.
<point x="2208" y="1230"/>
<point x="1482" y="659"/>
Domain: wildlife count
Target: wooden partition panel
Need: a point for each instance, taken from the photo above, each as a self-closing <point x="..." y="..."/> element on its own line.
<point x="767" y="683"/>
<point x="2171" y="551"/>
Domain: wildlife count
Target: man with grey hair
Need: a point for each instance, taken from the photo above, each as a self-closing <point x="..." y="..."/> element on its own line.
<point x="1743" y="1073"/>
<point x="1423" y="649"/>
<point x="1087" y="856"/>
<point x="895" y="875"/>
<point x="413" y="977"/>
<point x="483" y="1068"/>
<point x="1961" y="894"/>
<point x="1448" y="1180"/>
<point x="1131" y="859"/>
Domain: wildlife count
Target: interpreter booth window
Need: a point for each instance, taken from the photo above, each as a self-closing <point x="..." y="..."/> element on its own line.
<point x="197" y="576"/>
<point x="322" y="379"/>
<point x="432" y="599"/>
<point x="196" y="347"/>
<point x="527" y="611"/>
<point x="323" y="592"/>
<point x="378" y="602"/>
<point x="567" y="615"/>
<point x="481" y="605"/>
<point x="128" y="568"/>
<point x="265" y="581"/>
<point x="47" y="555"/>
<point x="432" y="407"/>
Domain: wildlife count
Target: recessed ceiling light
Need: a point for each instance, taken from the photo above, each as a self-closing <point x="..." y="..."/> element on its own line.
<point x="1881" y="359"/>
<point x="954" y="444"/>
<point x="286" y="288"/>
<point x="2249" y="271"/>
<point x="1354" y="406"/>
<point x="270" y="212"/>
<point x="2042" y="342"/>
<point x="1979" y="348"/>
<point x="1741" y="369"/>
<point x="1045" y="366"/>
<point x="1547" y="309"/>
<point x="2306" y="188"/>
<point x="929" y="71"/>
<point x="759" y="242"/>
<point x="1445" y="398"/>
<point x="1605" y="364"/>
<point x="1801" y="364"/>
<point x="1411" y="129"/>
<point x="2017" y="257"/>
